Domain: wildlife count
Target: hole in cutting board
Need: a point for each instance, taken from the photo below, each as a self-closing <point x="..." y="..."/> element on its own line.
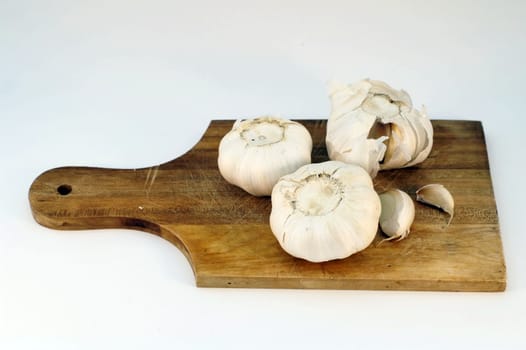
<point x="64" y="190"/>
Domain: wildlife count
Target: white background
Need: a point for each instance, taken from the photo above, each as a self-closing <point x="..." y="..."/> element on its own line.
<point x="135" y="83"/>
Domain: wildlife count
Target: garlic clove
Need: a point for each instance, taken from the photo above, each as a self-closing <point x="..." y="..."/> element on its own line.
<point x="424" y="132"/>
<point x="400" y="147"/>
<point x="398" y="214"/>
<point x="419" y="133"/>
<point x="438" y="196"/>
<point x="325" y="211"/>
<point x="257" y="152"/>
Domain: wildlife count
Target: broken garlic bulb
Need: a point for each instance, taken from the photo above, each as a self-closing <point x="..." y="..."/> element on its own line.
<point x="398" y="214"/>
<point x="325" y="211"/>
<point x="257" y="152"/>
<point x="376" y="127"/>
<point x="438" y="196"/>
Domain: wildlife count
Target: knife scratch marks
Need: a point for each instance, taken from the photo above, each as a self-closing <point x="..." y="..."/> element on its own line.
<point x="150" y="179"/>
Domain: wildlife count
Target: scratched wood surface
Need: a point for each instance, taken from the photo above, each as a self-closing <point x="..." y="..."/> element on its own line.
<point x="224" y="232"/>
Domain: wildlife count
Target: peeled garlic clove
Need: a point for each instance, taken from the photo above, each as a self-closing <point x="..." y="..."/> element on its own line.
<point x="438" y="196"/>
<point x="398" y="214"/>
<point x="325" y="211"/>
<point x="257" y="152"/>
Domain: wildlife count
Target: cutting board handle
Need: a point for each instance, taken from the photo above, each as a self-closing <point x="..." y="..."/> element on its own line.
<point x="71" y="198"/>
<point x="156" y="199"/>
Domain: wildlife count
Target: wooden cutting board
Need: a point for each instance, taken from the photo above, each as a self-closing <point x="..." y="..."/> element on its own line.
<point x="225" y="235"/>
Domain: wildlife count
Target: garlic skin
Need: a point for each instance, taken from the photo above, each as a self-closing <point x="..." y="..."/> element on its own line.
<point x="376" y="127"/>
<point x="438" y="196"/>
<point x="398" y="214"/>
<point x="257" y="152"/>
<point x="325" y="211"/>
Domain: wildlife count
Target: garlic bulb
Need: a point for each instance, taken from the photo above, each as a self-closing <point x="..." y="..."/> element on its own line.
<point x="398" y="214"/>
<point x="438" y="196"/>
<point x="257" y="152"/>
<point x="376" y="127"/>
<point x="325" y="211"/>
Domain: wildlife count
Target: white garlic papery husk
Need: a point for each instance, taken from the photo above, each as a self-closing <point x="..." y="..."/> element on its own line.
<point x="325" y="211"/>
<point x="398" y="214"/>
<point x="376" y="127"/>
<point x="257" y="152"/>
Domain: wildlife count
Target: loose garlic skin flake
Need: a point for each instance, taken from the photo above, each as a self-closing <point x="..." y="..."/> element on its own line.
<point x="257" y="152"/>
<point x="398" y="214"/>
<point x="325" y="211"/>
<point x="376" y="127"/>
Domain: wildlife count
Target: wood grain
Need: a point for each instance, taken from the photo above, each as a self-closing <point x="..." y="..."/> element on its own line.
<point x="225" y="235"/>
